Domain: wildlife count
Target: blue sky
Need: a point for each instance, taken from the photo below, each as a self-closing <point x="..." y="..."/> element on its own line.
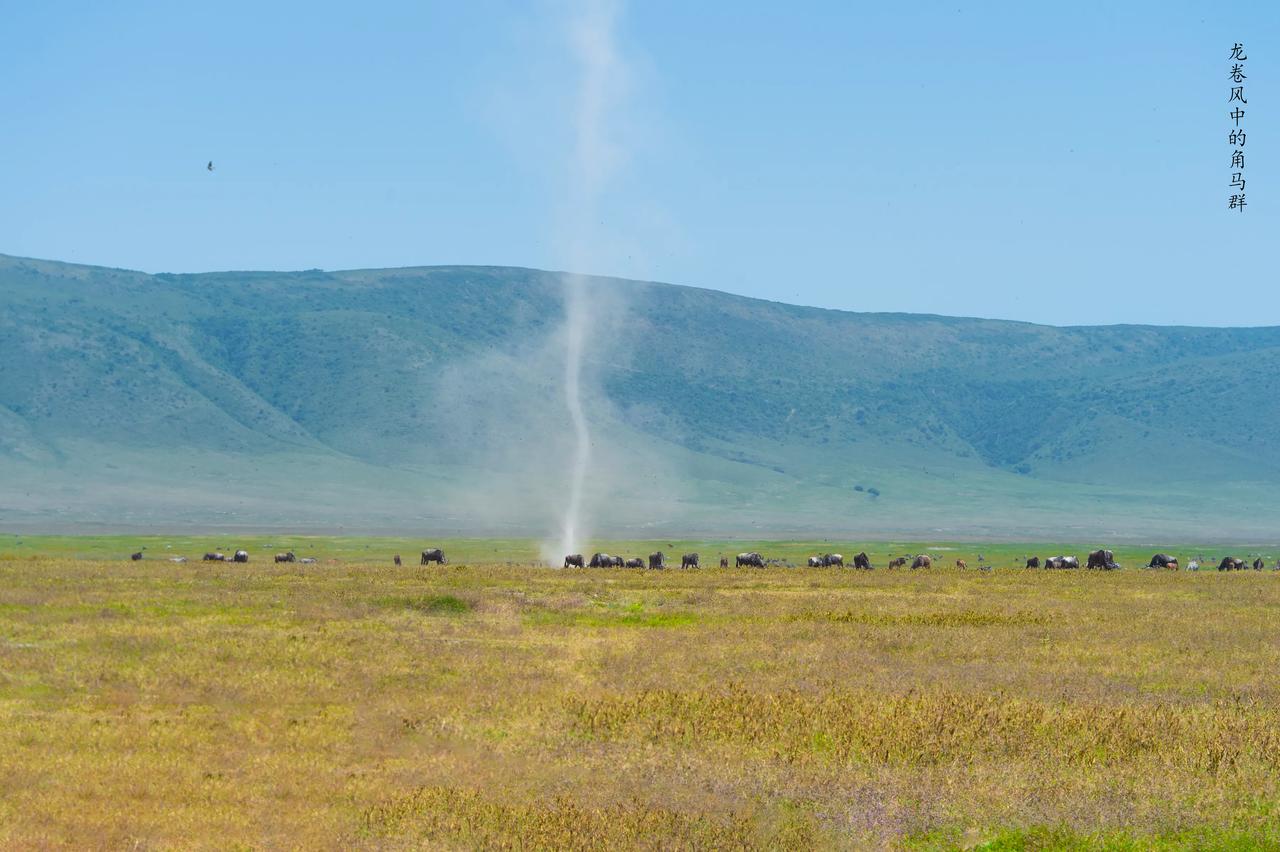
<point x="1065" y="165"/>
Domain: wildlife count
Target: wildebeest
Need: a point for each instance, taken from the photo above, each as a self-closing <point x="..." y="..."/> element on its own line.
<point x="833" y="560"/>
<point x="1103" y="560"/>
<point x="573" y="560"/>
<point x="396" y="559"/>
<point x="1258" y="564"/>
<point x="689" y="560"/>
<point x="898" y="562"/>
<point x="862" y="561"/>
<point x="815" y="561"/>
<point x="1230" y="563"/>
<point x="435" y="555"/>
<point x="922" y="561"/>
<point x="214" y="557"/>
<point x="1061" y="562"/>
<point x="136" y="556"/>
<point x="286" y="557"/>
<point x="637" y="562"/>
<point x="960" y="563"/>
<point x="1033" y="562"/>
<point x="724" y="562"/>
<point x="753" y="560"/>
<point x="657" y="559"/>
<point x="1162" y="560"/>
<point x="241" y="556"/>
<point x="600" y="560"/>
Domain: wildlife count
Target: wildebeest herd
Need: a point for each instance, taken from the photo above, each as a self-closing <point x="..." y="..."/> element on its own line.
<point x="1100" y="560"/>
<point x="604" y="560"/>
<point x="658" y="559"/>
<point x="1104" y="560"/>
<point x="239" y="556"/>
<point x="1097" y="560"/>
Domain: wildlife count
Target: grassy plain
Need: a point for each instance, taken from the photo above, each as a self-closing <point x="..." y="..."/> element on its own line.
<point x="485" y="704"/>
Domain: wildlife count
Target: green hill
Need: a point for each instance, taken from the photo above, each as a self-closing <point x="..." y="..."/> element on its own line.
<point x="430" y="399"/>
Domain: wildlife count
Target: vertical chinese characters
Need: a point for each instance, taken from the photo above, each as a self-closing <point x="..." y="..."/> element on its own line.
<point x="1236" y="137"/>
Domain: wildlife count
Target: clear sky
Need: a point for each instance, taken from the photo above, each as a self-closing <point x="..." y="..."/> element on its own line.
<point x="1065" y="165"/>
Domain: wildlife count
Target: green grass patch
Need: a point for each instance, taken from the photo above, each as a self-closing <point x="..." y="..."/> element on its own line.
<point x="1065" y="839"/>
<point x="426" y="604"/>
<point x="963" y="618"/>
<point x="611" y="614"/>
<point x="626" y="619"/>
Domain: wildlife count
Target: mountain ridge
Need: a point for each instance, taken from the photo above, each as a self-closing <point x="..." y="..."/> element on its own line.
<point x="718" y="411"/>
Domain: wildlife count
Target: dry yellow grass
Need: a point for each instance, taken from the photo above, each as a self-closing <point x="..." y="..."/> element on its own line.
<point x="151" y="705"/>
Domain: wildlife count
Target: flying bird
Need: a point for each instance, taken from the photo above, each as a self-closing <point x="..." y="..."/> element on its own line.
<point x="210" y="166"/>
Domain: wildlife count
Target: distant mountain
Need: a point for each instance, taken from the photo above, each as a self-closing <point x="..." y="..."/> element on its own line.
<point x="431" y="399"/>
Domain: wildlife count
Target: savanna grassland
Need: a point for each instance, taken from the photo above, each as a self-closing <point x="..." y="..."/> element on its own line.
<point x="353" y="704"/>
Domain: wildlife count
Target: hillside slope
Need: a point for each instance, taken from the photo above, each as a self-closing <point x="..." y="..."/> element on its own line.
<point x="431" y="398"/>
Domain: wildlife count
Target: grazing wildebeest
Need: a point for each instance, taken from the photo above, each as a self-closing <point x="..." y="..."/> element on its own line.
<point x="618" y="562"/>
<point x="658" y="560"/>
<point x="286" y="557"/>
<point x="1161" y="560"/>
<point x="833" y="560"/>
<point x="241" y="556"/>
<point x="1230" y="563"/>
<point x="862" y="561"/>
<point x="753" y="560"/>
<point x="573" y="560"/>
<point x="435" y="554"/>
<point x="1258" y="564"/>
<point x="396" y="559"/>
<point x="1103" y="560"/>
<point x="815" y="561"/>
<point x="635" y="563"/>
<point x="1062" y="562"/>
<point x="689" y="560"/>
<point x="136" y="556"/>
<point x="922" y="561"/>
<point x="898" y="562"/>
<point x="1033" y="562"/>
<point x="724" y="562"/>
<point x="960" y="563"/>
<point x="600" y="560"/>
<point x="214" y="557"/>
